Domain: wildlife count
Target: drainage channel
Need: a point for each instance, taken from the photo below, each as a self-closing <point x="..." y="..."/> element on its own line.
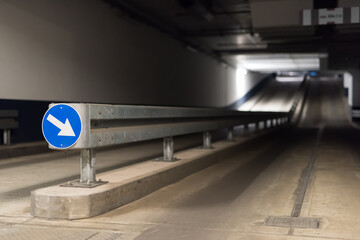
<point x="295" y="221"/>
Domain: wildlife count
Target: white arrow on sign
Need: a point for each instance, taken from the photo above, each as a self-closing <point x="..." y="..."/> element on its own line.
<point x="66" y="129"/>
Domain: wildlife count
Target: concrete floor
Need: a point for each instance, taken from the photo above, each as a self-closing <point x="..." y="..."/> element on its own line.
<point x="229" y="200"/>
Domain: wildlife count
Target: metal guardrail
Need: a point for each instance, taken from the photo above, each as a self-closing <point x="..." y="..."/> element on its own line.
<point x="8" y="121"/>
<point x="106" y="125"/>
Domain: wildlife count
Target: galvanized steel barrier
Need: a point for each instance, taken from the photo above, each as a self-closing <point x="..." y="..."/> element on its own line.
<point x="106" y="125"/>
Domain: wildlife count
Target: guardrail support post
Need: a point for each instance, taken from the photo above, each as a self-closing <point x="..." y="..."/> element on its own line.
<point x="168" y="149"/>
<point x="246" y="129"/>
<point x="6" y="137"/>
<point x="87" y="171"/>
<point x="206" y="140"/>
<point x="230" y="134"/>
<point x="87" y="165"/>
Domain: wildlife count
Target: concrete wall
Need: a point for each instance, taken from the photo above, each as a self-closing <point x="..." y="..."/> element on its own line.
<point x="348" y="61"/>
<point x="82" y="51"/>
<point x="348" y="84"/>
<point x="355" y="73"/>
<point x="352" y="82"/>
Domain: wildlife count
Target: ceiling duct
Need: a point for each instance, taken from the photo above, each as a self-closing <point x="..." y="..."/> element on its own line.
<point x="325" y="4"/>
<point x="198" y="8"/>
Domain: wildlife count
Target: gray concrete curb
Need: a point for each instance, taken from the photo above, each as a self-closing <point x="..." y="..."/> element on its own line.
<point x="125" y="185"/>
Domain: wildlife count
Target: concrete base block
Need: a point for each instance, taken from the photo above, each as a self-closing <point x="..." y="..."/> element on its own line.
<point x="125" y="185"/>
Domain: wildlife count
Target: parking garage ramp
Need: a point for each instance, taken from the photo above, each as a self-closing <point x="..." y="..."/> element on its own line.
<point x="286" y="166"/>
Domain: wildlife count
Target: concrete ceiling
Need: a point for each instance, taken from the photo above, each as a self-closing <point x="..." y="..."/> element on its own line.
<point x="226" y="29"/>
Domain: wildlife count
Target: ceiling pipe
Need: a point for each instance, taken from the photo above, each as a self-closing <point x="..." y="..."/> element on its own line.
<point x="198" y="8"/>
<point x="218" y="32"/>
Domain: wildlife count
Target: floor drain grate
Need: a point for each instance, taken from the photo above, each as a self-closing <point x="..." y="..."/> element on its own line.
<point x="297" y="222"/>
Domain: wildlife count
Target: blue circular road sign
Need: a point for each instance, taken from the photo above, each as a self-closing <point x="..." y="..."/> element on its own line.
<point x="61" y="126"/>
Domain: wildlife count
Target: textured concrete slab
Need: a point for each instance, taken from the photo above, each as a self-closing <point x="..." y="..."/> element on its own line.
<point x="46" y="233"/>
<point x="125" y="185"/>
<point x="334" y="193"/>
